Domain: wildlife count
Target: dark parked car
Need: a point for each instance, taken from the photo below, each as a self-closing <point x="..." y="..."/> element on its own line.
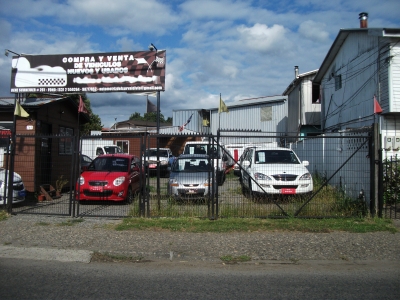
<point x="85" y="161"/>
<point x="165" y="156"/>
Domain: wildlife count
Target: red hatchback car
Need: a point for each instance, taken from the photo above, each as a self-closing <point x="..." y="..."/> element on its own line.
<point x="110" y="177"/>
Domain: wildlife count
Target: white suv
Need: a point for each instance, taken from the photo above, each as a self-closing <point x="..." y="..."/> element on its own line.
<point x="275" y="170"/>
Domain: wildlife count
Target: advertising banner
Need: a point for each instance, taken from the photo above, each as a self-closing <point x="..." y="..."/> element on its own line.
<point x="141" y="71"/>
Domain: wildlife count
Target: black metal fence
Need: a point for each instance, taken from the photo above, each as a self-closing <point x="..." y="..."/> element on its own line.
<point x="340" y="167"/>
<point x="391" y="187"/>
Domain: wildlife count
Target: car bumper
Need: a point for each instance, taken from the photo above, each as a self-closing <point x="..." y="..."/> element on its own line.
<point x="282" y="188"/>
<point x="18" y="197"/>
<point x="116" y="195"/>
<point x="189" y="192"/>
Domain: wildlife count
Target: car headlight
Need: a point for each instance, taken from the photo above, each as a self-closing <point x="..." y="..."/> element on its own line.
<point x="118" y="181"/>
<point x="306" y="176"/>
<point x="81" y="180"/>
<point x="173" y="182"/>
<point x="208" y="182"/>
<point x="164" y="162"/>
<point x="261" y="176"/>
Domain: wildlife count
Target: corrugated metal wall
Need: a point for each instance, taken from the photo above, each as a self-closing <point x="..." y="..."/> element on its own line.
<point x="327" y="155"/>
<point x="180" y="117"/>
<point x="265" y="117"/>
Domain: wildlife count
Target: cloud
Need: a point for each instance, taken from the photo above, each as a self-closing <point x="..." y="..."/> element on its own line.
<point x="313" y="31"/>
<point x="126" y="44"/>
<point x="264" y="39"/>
<point x="223" y="9"/>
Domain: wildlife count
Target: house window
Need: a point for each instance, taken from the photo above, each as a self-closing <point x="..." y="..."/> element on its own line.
<point x="338" y="82"/>
<point x="65" y="143"/>
<point x="316" y="99"/>
<point x="124" y="145"/>
<point x="266" y="113"/>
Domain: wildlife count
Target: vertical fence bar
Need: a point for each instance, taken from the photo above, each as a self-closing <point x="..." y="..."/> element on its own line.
<point x="380" y="184"/>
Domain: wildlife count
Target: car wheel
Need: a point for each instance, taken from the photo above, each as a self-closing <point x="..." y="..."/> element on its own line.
<point x="129" y="197"/>
<point x="244" y="189"/>
<point x="251" y="193"/>
<point x="221" y="179"/>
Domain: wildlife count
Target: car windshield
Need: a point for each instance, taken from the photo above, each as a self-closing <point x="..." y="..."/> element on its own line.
<point x="275" y="157"/>
<point x="151" y="152"/>
<point x="191" y="165"/>
<point x="112" y="150"/>
<point x="111" y="164"/>
<point x="211" y="150"/>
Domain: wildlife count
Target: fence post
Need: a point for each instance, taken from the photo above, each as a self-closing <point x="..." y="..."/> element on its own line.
<point x="376" y="159"/>
<point x="380" y="184"/>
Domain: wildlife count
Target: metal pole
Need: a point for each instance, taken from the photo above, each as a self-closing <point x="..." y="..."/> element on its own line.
<point x="158" y="149"/>
<point x="12" y="159"/>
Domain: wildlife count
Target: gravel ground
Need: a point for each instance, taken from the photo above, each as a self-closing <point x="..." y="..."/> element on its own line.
<point x="91" y="234"/>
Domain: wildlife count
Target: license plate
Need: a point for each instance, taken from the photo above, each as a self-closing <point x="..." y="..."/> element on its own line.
<point x="96" y="189"/>
<point x="152" y="166"/>
<point x="191" y="192"/>
<point x="288" y="191"/>
<point x="21" y="194"/>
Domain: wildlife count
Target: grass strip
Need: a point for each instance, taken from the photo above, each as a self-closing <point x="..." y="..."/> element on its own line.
<point x="356" y="225"/>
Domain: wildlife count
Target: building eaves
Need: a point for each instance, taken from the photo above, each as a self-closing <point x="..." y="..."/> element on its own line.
<point x="341" y="38"/>
<point x="297" y="80"/>
<point x="254" y="101"/>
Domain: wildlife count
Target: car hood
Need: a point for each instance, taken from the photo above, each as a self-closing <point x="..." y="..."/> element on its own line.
<point x="4" y="173"/>
<point x="93" y="175"/>
<point x="190" y="177"/>
<point x="296" y="169"/>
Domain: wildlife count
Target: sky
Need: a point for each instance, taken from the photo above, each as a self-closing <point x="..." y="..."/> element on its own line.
<point x="236" y="49"/>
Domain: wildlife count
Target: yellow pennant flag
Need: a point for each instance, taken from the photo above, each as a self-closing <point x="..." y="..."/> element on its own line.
<point x="222" y="106"/>
<point x="20" y="111"/>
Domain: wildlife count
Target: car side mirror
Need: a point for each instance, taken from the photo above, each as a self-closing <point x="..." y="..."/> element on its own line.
<point x="305" y="163"/>
<point x="85" y="168"/>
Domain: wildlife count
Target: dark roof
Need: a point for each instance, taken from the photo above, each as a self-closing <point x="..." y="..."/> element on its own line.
<point x="31" y="102"/>
<point x="138" y="123"/>
<point x="7" y="103"/>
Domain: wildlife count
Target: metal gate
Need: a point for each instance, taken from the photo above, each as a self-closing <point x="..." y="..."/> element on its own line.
<point x="340" y="165"/>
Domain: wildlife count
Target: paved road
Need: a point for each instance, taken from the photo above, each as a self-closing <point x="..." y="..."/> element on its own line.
<point x="35" y="279"/>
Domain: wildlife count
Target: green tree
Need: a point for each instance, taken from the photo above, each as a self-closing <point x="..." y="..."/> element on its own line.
<point x="150" y="116"/>
<point x="136" y="116"/>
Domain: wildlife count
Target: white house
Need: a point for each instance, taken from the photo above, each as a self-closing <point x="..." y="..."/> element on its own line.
<point x="362" y="67"/>
<point x="304" y="106"/>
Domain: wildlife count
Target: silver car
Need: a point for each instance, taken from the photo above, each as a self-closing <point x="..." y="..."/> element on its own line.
<point x="191" y="176"/>
<point x="18" y="190"/>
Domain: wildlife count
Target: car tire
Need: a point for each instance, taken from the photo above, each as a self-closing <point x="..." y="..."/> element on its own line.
<point x="221" y="179"/>
<point x="251" y="193"/>
<point x="129" y="197"/>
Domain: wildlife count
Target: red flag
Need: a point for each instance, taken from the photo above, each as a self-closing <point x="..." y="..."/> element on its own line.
<point x="377" y="107"/>
<point x="82" y="108"/>
<point x="187" y="122"/>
